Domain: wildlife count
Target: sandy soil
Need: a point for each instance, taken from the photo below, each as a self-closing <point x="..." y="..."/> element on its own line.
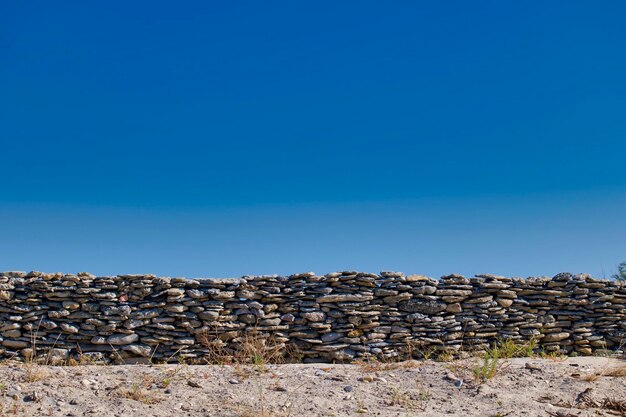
<point x="521" y="387"/>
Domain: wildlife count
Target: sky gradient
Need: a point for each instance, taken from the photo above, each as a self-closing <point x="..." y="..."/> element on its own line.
<point x="206" y="139"/>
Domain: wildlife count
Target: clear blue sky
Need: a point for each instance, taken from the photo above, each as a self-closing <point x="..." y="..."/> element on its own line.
<point x="226" y="138"/>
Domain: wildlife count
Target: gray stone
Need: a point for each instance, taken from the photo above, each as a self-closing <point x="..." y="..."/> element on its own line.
<point x="342" y="298"/>
<point x="555" y="337"/>
<point x="331" y="337"/>
<point x="314" y="316"/>
<point x="122" y="339"/>
<point x="139" y="350"/>
<point x="209" y="315"/>
<point x="424" y="306"/>
<point x="15" y="344"/>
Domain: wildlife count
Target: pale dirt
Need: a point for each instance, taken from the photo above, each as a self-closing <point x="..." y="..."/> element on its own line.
<point x="408" y="389"/>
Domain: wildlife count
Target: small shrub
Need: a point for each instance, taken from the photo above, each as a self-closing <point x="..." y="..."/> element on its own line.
<point x="621" y="273"/>
<point x="509" y="348"/>
<point x="421" y="351"/>
<point x="616" y="372"/>
<point x="250" y="348"/>
<point x="487" y="368"/>
<point x="445" y="356"/>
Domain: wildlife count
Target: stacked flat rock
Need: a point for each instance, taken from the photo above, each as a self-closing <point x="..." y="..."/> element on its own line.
<point x="341" y="316"/>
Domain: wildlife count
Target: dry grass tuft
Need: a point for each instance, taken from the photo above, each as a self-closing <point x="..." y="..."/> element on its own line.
<point x="404" y="360"/>
<point x="445" y="356"/>
<point x="416" y="349"/>
<point x="616" y="372"/>
<point x="373" y="364"/>
<point x="614" y="404"/>
<point x="35" y="373"/>
<point x="589" y="377"/>
<point x="411" y="401"/>
<point x="260" y="406"/>
<point x="249" y="348"/>
<point x="585" y="401"/>
<point x="554" y="356"/>
<point x="137" y="393"/>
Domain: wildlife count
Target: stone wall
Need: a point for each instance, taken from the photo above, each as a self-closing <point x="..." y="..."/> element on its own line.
<point x="339" y="316"/>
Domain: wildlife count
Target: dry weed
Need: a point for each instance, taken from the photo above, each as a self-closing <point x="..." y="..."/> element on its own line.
<point x="35" y="373"/>
<point x="249" y="348"/>
<point x="136" y="392"/>
<point x="616" y="372"/>
<point x="614" y="404"/>
<point x="261" y="407"/>
<point x="589" y="377"/>
<point x="411" y="401"/>
<point x="613" y="372"/>
<point x="373" y="364"/>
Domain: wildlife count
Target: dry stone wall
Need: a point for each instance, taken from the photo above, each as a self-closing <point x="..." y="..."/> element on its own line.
<point x="339" y="316"/>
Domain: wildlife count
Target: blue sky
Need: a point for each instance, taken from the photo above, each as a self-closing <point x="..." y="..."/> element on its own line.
<point x="206" y="139"/>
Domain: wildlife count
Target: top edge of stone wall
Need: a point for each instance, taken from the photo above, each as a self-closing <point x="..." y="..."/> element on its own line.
<point x="86" y="276"/>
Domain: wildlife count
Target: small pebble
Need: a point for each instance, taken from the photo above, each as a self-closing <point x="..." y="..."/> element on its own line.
<point x="533" y="366"/>
<point x="32" y="398"/>
<point x="194" y="384"/>
<point x="13" y="394"/>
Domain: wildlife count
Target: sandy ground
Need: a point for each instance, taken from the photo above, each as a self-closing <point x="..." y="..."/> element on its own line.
<point x="521" y="387"/>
